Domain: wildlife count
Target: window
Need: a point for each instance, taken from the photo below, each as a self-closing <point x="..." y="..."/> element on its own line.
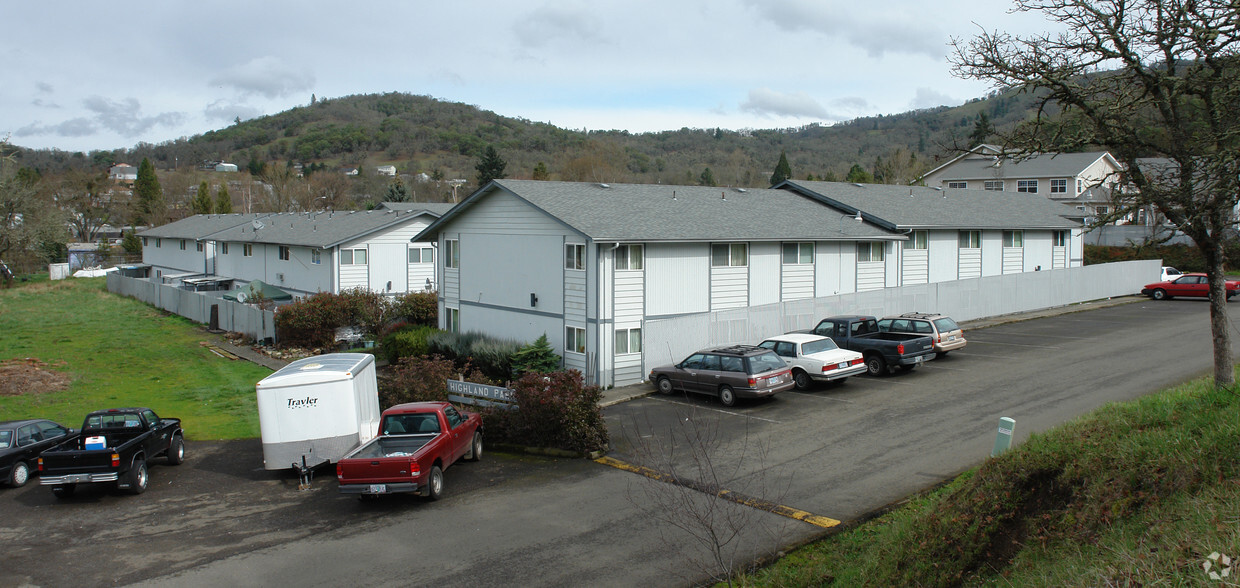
<point x="574" y="256"/>
<point x="451" y="253"/>
<point x="144" y="241"/>
<point x="158" y="242"/>
<point x="316" y="256"/>
<point x="958" y="185"/>
<point x="453" y="320"/>
<point x="993" y="185"/>
<point x="871" y="251"/>
<point x="1102" y="210"/>
<point x="224" y="248"/>
<point x="729" y="255"/>
<point x="182" y="244"/>
<point x="1030" y="186"/>
<point x="1059" y="238"/>
<point x="199" y="246"/>
<point x="285" y="253"/>
<point x="1080" y="185"/>
<point x="629" y="257"/>
<point x="918" y="240"/>
<point x="247" y="250"/>
<point x="1059" y="186"/>
<point x="352" y="257"/>
<point x="970" y="239"/>
<point x="798" y="253"/>
<point x="574" y="339"/>
<point x="1013" y="238"/>
<point x="421" y="255"/>
<point x="628" y="341"/>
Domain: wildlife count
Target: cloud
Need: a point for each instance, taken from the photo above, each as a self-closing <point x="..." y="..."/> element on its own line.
<point x="852" y="104"/>
<point x="227" y="110"/>
<point x="268" y="76"/>
<point x="44" y="87"/>
<point x="44" y="103"/>
<point x="767" y="102"/>
<point x="124" y="116"/>
<point x="896" y="30"/>
<point x="547" y="23"/>
<point x="929" y="98"/>
<point x="78" y="127"/>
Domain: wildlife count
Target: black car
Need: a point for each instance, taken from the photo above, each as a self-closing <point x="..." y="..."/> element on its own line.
<point x="21" y="442"/>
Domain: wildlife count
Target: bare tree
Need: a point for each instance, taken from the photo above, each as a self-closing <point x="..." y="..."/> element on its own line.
<point x="91" y="201"/>
<point x="27" y="215"/>
<point x="1157" y="82"/>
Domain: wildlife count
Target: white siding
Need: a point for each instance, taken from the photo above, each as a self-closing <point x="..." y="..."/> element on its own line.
<point x="992" y="253"/>
<point x="835" y="266"/>
<point x="916" y="267"/>
<point x="1013" y="260"/>
<point x="629" y="311"/>
<point x="870" y="275"/>
<point x="729" y="287"/>
<point x="797" y="282"/>
<point x="354" y="275"/>
<point x="970" y="263"/>
<point x="574" y="286"/>
<point x="677" y="278"/>
<point x="944" y="263"/>
<point x="764" y="263"/>
<point x="1059" y="257"/>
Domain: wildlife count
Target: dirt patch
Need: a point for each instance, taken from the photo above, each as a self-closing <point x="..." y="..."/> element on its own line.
<point x="26" y="376"/>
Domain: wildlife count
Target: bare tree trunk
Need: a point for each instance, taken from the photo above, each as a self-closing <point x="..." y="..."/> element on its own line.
<point x="1220" y="331"/>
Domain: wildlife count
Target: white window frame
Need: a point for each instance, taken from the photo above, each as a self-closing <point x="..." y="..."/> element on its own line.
<point x="919" y="240"/>
<point x="630" y="257"/>
<point x="1101" y="210"/>
<point x="452" y="320"/>
<point x="628" y="341"/>
<point x="871" y="251"/>
<point x="1080" y="185"/>
<point x="285" y="253"/>
<point x="574" y="340"/>
<point x="424" y="255"/>
<point x="316" y="256"/>
<point x="247" y="250"/>
<point x="970" y="239"/>
<point x="1027" y="186"/>
<point x="1014" y="239"/>
<point x="802" y="253"/>
<point x="737" y="254"/>
<point x="1059" y="186"/>
<point x="575" y="256"/>
<point x="1059" y="238"/>
<point x="993" y="185"/>
<point x="452" y="253"/>
<point x="350" y="256"/>
<point x="957" y="185"/>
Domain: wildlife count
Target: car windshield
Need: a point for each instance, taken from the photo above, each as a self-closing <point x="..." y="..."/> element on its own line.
<point x="945" y="324"/>
<point x="6" y="439"/>
<point x="812" y="347"/>
<point x="765" y="362"/>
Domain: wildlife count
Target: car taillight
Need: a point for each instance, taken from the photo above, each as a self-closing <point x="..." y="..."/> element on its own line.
<point x="116" y="460"/>
<point x="339" y="471"/>
<point x="858" y="361"/>
<point x="414" y="469"/>
<point x="900" y="349"/>
<point x="827" y="368"/>
<point x="40" y="464"/>
<point x="753" y="381"/>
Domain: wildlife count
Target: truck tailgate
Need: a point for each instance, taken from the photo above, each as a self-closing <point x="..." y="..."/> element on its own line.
<point x="384" y="459"/>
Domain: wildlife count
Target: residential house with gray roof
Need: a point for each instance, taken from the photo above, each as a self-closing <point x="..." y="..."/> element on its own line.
<point x="183" y="248"/>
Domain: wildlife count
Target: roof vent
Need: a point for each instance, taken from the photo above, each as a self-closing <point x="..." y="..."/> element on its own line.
<point x="604" y="185"/>
<point x="673" y="194"/>
<point x="741" y="190"/>
<point x="939" y="188"/>
<point x="723" y="196"/>
<point x="858" y="185"/>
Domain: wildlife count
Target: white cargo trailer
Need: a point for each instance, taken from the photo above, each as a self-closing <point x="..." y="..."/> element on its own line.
<point x="314" y="410"/>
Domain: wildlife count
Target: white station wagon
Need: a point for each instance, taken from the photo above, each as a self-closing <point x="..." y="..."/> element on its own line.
<point x="815" y="358"/>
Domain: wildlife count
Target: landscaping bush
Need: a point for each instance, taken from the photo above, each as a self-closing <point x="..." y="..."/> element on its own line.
<point x="421" y="379"/>
<point x="537" y="357"/>
<point x="312" y="322"/>
<point x="1185" y="258"/>
<point x="409" y="341"/>
<point x="419" y="308"/>
<point x="554" y="410"/>
<point x="492" y="356"/>
<point x="366" y="309"/>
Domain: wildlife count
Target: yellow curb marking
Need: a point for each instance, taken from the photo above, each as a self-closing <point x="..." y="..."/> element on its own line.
<point x="758" y="503"/>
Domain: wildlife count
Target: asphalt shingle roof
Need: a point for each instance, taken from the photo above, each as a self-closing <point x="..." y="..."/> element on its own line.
<point x="435" y="209"/>
<point x="652" y="212"/>
<point x="919" y="207"/>
<point x="1045" y="165"/>
<point x="316" y="229"/>
<point x="200" y="225"/>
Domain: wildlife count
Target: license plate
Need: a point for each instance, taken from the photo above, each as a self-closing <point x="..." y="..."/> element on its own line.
<point x="842" y="365"/>
<point x="921" y="359"/>
<point x="378" y="488"/>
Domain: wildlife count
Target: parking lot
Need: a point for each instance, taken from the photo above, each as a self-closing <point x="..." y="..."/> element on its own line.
<point x="837" y="452"/>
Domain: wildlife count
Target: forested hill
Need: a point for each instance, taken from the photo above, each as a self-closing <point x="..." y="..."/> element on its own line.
<point x="420" y="134"/>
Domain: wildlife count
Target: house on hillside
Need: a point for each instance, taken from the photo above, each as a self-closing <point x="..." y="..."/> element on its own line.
<point x="225" y="167"/>
<point x="123" y="173"/>
<point x="386" y="170"/>
<point x="955" y="234"/>
<point x="1063" y="177"/>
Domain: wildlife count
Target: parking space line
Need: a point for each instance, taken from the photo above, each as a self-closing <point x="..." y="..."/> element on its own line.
<point x="738" y="498"/>
<point x="748" y="416"/>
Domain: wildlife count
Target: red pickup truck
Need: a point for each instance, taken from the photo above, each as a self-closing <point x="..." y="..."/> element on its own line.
<point x="416" y="443"/>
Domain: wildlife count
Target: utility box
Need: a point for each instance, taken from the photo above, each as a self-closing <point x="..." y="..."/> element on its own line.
<point x="317" y="409"/>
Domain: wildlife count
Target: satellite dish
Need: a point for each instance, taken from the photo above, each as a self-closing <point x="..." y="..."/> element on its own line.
<point x="241" y="297"/>
<point x="257" y="224"/>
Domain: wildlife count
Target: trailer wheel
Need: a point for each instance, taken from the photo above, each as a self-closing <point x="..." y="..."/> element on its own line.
<point x="475" y="449"/>
<point x="138" y="478"/>
<point x="434" y="484"/>
<point x="176" y="451"/>
<point x="63" y="491"/>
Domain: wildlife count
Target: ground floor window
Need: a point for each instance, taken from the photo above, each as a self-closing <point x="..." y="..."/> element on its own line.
<point x="628" y="341"/>
<point x="575" y="339"/>
<point x="871" y="251"/>
<point x="453" y="320"/>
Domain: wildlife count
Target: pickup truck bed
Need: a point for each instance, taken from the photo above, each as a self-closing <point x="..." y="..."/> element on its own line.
<point x="114" y="446"/>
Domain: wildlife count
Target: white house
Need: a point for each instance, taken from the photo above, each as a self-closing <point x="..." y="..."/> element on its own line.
<point x="123" y="173"/>
<point x="587" y="264"/>
<point x="386" y="170"/>
<point x="225" y="167"/>
<point x="183" y="249"/>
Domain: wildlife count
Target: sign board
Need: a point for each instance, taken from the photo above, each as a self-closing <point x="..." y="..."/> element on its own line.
<point x="480" y="394"/>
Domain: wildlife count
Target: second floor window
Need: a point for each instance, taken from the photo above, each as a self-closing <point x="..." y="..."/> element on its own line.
<point x="798" y="253"/>
<point x="452" y="253"/>
<point x="629" y="257"/>
<point x="970" y="239"/>
<point x="1013" y="238"/>
<point x="1059" y="186"/>
<point x="316" y="256"/>
<point x="285" y="253"/>
<point x="352" y="257"/>
<point x="919" y="240"/>
<point x="247" y="250"/>
<point x="871" y="251"/>
<point x="574" y="256"/>
<point x="958" y="185"/>
<point x="1030" y="186"/>
<point x="1059" y="238"/>
<point x="729" y="255"/>
<point x="993" y="185"/>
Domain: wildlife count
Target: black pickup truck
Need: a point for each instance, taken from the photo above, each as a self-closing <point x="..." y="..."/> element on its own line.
<point x="114" y="445"/>
<point x="882" y="351"/>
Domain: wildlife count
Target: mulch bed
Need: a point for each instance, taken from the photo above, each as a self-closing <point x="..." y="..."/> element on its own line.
<point x="23" y="376"/>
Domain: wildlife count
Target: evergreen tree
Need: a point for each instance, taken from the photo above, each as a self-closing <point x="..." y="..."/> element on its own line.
<point x="782" y="170"/>
<point x="540" y="171"/>
<point x="202" y="200"/>
<point x="147" y="192"/>
<point x="981" y="130"/>
<point x="396" y="192"/>
<point x="257" y="166"/>
<point x="537" y="357"/>
<point x="223" y="202"/>
<point x="707" y="178"/>
<point x="131" y="243"/>
<point x="828" y="177"/>
<point x="490" y="167"/>
<point x="858" y="175"/>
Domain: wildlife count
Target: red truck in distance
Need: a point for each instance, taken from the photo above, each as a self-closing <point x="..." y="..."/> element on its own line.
<point x="416" y="443"/>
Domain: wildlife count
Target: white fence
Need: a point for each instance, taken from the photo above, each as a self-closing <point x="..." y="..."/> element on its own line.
<point x="671" y="339"/>
<point x="196" y="306"/>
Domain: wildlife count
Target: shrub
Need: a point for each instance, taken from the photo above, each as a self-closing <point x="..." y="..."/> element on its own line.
<point x="537" y="357"/>
<point x="407" y="342"/>
<point x="419" y="308"/>
<point x="554" y="410"/>
<point x="420" y="379"/>
<point x="492" y="356"/>
<point x="312" y="322"/>
<point x="366" y="309"/>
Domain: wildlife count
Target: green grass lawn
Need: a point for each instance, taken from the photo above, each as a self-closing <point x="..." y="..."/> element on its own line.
<point x="1133" y="494"/>
<point x="118" y="351"/>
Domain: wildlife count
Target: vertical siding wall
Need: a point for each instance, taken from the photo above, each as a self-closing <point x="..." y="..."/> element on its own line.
<point x="196" y="306"/>
<point x="671" y="339"/>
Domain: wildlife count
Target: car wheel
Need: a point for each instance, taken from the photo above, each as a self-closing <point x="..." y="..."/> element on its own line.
<point x="63" y="490"/>
<point x="876" y="365"/>
<point x="434" y="484"/>
<point x="1159" y="294"/>
<point x="802" y="379"/>
<point x="727" y="396"/>
<point x="475" y="448"/>
<point x="138" y="478"/>
<point x="176" y="451"/>
<point x="664" y="384"/>
<point x="20" y="474"/>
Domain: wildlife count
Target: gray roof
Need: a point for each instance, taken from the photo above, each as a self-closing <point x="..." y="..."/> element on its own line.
<point x="435" y="209"/>
<point x="315" y="229"/>
<point x="918" y="207"/>
<point x="652" y="213"/>
<point x="1046" y="165"/>
<point x="199" y="226"/>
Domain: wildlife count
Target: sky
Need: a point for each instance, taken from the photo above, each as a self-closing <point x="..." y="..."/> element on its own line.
<point x="80" y="76"/>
